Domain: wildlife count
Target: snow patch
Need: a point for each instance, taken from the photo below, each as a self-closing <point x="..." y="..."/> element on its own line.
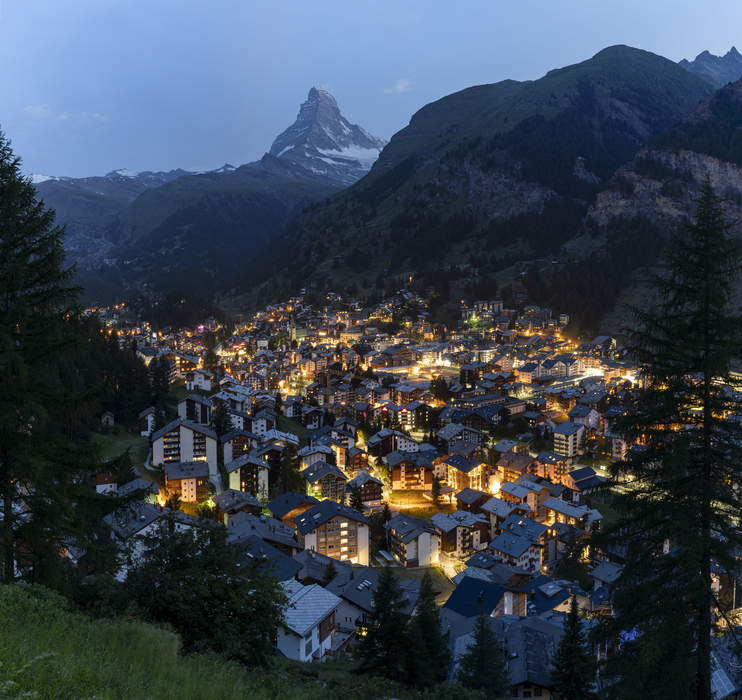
<point x="365" y="156"/>
<point x="37" y="178"/>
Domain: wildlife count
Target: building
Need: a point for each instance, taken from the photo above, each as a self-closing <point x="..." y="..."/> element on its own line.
<point x="195" y="408"/>
<point x="308" y="629"/>
<point x="334" y="530"/>
<point x="372" y="490"/>
<point x="413" y="541"/>
<point x="325" y="481"/>
<point x="184" y="441"/>
<point x="189" y="481"/>
<point x="248" y="473"/>
<point x="233" y="501"/>
<point x="462" y="533"/>
<point x="410" y="470"/>
<point x="290" y="505"/>
<point x="568" y="439"/>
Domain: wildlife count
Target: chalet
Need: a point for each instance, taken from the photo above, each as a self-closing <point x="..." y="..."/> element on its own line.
<point x="582" y="481"/>
<point x="465" y="473"/>
<point x="551" y="466"/>
<point x="326" y="481"/>
<point x="308" y="627"/>
<point x="516" y="551"/>
<point x="146" y="490"/>
<point x="471" y="500"/>
<point x="371" y="488"/>
<point x="334" y="530"/>
<point x="388" y="440"/>
<point x="580" y="517"/>
<point x="189" y="481"/>
<point x="498" y="510"/>
<point x="232" y="501"/>
<point x="184" y="441"/>
<point x="455" y="433"/>
<point x="585" y="416"/>
<point x="357" y="460"/>
<point x="462" y="533"/>
<point x="410" y="470"/>
<point x="248" y="473"/>
<point x="284" y="568"/>
<point x="236" y="443"/>
<point x="147" y="420"/>
<point x="241" y="526"/>
<point x="512" y="465"/>
<point x="473" y="595"/>
<point x="199" y="379"/>
<point x="195" y="408"/>
<point x="314" y="453"/>
<point x="290" y="505"/>
<point x="413" y="541"/>
<point x="355" y="587"/>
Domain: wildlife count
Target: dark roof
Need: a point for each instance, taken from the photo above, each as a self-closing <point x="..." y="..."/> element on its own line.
<point x="186" y="470"/>
<point x="282" y="565"/>
<point x="510" y="544"/>
<point x="318" y="470"/>
<point x="133" y="517"/>
<point x="186" y="423"/>
<point x="197" y="398"/>
<point x="285" y="503"/>
<point x="463" y="464"/>
<point x="545" y="594"/>
<point x="471" y="496"/>
<point x="312" y="565"/>
<point x="245" y="459"/>
<point x="324" y="511"/>
<point x="135" y="485"/>
<point x="363" y="478"/>
<point x="409" y="528"/>
<point x="357" y="586"/>
<point x="471" y="595"/>
<point x="524" y="527"/>
<point x="234" y="500"/>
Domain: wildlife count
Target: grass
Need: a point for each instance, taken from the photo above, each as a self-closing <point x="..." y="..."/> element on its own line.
<point x="415" y="504"/>
<point x="48" y="652"/>
<point x="289" y="425"/>
<point x="116" y="441"/>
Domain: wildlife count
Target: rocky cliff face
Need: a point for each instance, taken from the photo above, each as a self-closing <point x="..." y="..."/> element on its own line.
<point x="324" y="142"/>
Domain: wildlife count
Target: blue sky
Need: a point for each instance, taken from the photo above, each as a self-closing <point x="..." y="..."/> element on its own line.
<point x="88" y="86"/>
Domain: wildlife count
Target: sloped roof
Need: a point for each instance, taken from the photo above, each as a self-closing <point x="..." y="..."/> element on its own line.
<point x="307" y="606"/>
<point x="324" y="511"/>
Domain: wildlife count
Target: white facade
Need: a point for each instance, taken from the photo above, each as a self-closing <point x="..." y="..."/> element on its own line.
<point x="183" y="444"/>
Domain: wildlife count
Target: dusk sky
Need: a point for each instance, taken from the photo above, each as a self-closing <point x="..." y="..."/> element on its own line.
<point x="88" y="86"/>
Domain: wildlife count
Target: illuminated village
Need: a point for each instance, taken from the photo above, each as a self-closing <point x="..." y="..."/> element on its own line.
<point x="469" y="451"/>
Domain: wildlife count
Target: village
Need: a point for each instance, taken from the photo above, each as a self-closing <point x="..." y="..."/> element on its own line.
<point x="337" y="440"/>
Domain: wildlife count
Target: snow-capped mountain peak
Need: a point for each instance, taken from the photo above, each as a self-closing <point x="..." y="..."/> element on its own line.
<point x="323" y="141"/>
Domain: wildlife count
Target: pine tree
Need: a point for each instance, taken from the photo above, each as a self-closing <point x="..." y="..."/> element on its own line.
<point x="430" y="655"/>
<point x="573" y="674"/>
<point x="41" y="467"/>
<point x="482" y="666"/>
<point x="356" y="500"/>
<point x="436" y="490"/>
<point x="383" y="647"/>
<point x="221" y="423"/>
<point x="289" y="478"/>
<point x="680" y="498"/>
<point x="329" y="573"/>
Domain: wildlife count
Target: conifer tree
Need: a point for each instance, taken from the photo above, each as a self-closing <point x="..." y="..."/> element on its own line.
<point x="431" y="655"/>
<point x="383" y="648"/>
<point x="482" y="666"/>
<point x="329" y="573"/>
<point x="40" y="466"/>
<point x="680" y="497"/>
<point x="573" y="675"/>
<point x="289" y="478"/>
<point x="356" y="501"/>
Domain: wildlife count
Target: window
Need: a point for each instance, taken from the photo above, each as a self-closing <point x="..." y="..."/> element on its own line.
<point x="537" y="692"/>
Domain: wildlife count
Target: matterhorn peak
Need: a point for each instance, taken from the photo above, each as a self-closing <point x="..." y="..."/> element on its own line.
<point x="324" y="142"/>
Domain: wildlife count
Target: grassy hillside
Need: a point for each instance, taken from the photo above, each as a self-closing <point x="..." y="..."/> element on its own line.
<point x="48" y="652"/>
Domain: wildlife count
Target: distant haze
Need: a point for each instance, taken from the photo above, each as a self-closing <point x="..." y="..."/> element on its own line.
<point x="89" y="86"/>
